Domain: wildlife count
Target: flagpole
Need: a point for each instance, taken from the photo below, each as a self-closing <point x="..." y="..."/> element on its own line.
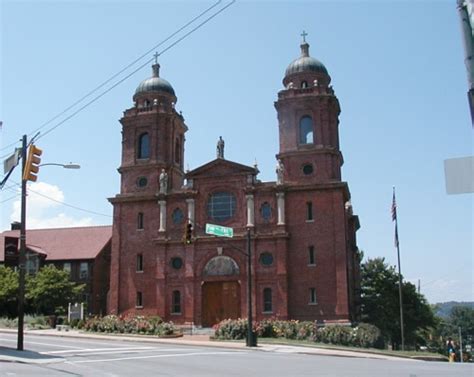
<point x="397" y="243"/>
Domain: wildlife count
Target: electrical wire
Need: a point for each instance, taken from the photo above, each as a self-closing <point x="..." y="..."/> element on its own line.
<point x="58" y="201"/>
<point x="124" y="69"/>
<point x="10" y="198"/>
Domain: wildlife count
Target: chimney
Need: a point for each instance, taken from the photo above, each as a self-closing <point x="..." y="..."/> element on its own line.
<point x="16" y="225"/>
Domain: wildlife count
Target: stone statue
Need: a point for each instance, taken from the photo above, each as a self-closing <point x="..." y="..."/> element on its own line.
<point x="220" y="148"/>
<point x="279" y="171"/>
<point x="163" y="182"/>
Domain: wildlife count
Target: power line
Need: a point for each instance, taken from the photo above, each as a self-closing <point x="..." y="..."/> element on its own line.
<point x="62" y="203"/>
<point x="132" y="73"/>
<point x="124" y="69"/>
<point x="10" y="198"/>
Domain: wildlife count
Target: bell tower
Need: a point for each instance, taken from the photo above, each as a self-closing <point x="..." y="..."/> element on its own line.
<point x="152" y="138"/>
<point x="308" y="118"/>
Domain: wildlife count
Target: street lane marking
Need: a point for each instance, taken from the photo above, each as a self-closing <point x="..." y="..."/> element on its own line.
<point x="96" y="349"/>
<point x="115" y="349"/>
<point x="157" y="356"/>
<point x="42" y="344"/>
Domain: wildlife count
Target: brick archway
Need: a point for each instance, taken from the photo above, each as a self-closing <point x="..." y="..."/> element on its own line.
<point x="220" y="290"/>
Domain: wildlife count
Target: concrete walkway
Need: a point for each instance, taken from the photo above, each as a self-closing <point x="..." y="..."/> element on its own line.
<point x="12" y="355"/>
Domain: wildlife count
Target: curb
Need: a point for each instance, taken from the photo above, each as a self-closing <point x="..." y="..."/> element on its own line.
<point x="263" y="347"/>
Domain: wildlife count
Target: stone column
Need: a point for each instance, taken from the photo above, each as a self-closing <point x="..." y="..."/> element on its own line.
<point x="281" y="208"/>
<point x="162" y="204"/>
<point x="250" y="210"/>
<point x="190" y="203"/>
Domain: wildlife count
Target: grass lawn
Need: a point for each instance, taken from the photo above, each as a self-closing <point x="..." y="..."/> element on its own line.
<point x="310" y="344"/>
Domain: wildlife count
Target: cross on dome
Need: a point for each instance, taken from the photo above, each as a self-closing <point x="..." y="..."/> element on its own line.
<point x="304" y="34"/>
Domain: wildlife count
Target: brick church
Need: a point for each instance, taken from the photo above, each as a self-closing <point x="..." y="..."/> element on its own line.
<point x="305" y="260"/>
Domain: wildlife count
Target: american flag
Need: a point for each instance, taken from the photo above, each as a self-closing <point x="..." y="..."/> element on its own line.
<point x="394" y="207"/>
<point x="394" y="217"/>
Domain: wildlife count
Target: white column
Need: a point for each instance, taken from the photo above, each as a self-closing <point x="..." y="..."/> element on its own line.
<point x="281" y="208"/>
<point x="190" y="210"/>
<point x="250" y="210"/>
<point x="162" y="204"/>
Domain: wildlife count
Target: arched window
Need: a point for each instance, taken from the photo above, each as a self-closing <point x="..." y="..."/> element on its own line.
<point x="304" y="84"/>
<point x="177" y="216"/>
<point x="306" y="130"/>
<point x="267" y="300"/>
<point x="144" y="146"/>
<point x="177" y="152"/>
<point x="266" y="211"/>
<point x="140" y="220"/>
<point x="176" y="304"/>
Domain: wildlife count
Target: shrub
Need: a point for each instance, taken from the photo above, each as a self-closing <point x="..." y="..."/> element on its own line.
<point x="129" y="325"/>
<point x="305" y="330"/>
<point x="335" y="334"/>
<point x="367" y="335"/>
<point x="231" y="329"/>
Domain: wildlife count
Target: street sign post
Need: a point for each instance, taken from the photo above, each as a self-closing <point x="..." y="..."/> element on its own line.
<point x="11" y="161"/>
<point x="220" y="231"/>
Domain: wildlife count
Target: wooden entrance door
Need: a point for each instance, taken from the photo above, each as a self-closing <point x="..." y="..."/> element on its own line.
<point x="220" y="300"/>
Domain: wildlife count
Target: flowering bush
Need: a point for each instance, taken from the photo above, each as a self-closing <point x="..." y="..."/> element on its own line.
<point x="130" y="325"/>
<point x="367" y="335"/>
<point x="364" y="335"/>
<point x="231" y="329"/>
<point x="335" y="334"/>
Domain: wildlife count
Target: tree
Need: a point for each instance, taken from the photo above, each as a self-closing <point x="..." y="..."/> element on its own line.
<point x="8" y="292"/>
<point x="381" y="307"/>
<point x="50" y="290"/>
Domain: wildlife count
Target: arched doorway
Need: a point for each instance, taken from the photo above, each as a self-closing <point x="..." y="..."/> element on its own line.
<point x="220" y="290"/>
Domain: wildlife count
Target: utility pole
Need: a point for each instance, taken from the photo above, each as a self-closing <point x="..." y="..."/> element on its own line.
<point x="460" y="343"/>
<point x="251" y="341"/>
<point x="21" y="258"/>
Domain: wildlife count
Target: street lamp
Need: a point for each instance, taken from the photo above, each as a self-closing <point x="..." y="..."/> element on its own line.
<point x="29" y="171"/>
<point x="65" y="166"/>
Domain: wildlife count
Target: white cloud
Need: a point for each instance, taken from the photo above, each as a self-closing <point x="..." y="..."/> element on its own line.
<point x="43" y="212"/>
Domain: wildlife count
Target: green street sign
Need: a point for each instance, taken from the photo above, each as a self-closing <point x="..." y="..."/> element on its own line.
<point x="220" y="231"/>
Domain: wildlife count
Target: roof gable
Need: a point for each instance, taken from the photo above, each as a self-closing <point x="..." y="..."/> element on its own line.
<point x="220" y="167"/>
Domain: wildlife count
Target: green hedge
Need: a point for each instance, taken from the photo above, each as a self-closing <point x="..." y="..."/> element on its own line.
<point x="129" y="325"/>
<point x="364" y="335"/>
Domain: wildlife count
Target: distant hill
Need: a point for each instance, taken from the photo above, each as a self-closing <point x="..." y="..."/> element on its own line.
<point x="443" y="309"/>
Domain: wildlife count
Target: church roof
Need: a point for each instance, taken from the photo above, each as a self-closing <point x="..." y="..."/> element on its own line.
<point x="155" y="83"/>
<point x="63" y="243"/>
<point x="305" y="63"/>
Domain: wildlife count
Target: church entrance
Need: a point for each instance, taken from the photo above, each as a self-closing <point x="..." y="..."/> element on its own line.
<point x="220" y="300"/>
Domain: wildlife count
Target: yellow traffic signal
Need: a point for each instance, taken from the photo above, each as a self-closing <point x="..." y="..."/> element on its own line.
<point x="188" y="236"/>
<point x="32" y="164"/>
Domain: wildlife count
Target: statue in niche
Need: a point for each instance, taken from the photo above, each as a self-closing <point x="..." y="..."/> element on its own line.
<point x="163" y="182"/>
<point x="220" y="147"/>
<point x="279" y="171"/>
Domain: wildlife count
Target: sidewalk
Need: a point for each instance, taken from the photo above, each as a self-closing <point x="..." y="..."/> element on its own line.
<point x="12" y="355"/>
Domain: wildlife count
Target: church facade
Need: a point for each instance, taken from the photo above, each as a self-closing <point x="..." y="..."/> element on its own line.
<point x="304" y="256"/>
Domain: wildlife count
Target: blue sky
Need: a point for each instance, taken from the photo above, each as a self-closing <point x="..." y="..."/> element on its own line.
<point x="397" y="68"/>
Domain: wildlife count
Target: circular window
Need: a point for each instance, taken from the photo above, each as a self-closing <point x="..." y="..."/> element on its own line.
<point x="142" y="182"/>
<point x="308" y="169"/>
<point x="176" y="263"/>
<point x="266" y="259"/>
<point x="177" y="216"/>
<point x="221" y="206"/>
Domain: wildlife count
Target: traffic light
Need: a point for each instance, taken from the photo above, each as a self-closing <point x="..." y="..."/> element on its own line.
<point x="188" y="236"/>
<point x="32" y="164"/>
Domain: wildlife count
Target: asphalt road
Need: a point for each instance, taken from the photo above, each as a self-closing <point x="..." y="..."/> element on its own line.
<point x="55" y="356"/>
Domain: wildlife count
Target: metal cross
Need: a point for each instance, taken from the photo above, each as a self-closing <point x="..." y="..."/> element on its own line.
<point x="156" y="57"/>
<point x="304" y="34"/>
